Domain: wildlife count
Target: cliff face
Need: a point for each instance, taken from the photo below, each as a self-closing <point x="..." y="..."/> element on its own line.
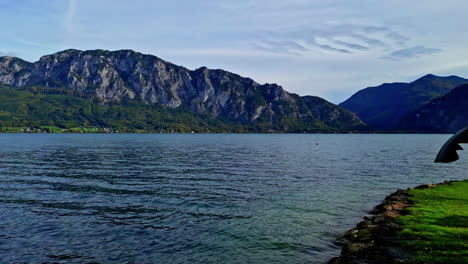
<point x="113" y="76"/>
<point x="446" y="114"/>
<point x="383" y="107"/>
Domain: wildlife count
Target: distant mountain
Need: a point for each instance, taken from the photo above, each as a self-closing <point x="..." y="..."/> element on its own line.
<point x="384" y="106"/>
<point x="447" y="114"/>
<point x="330" y="114"/>
<point x="126" y="76"/>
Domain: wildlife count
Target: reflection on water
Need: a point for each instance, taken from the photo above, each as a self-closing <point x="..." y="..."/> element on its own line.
<point x="198" y="198"/>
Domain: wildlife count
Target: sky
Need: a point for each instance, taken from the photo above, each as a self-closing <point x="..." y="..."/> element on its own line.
<point x="327" y="48"/>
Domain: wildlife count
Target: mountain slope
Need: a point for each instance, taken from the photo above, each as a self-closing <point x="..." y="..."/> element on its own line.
<point x="330" y="114"/>
<point x="382" y="107"/>
<point x="46" y="107"/>
<point x="446" y="114"/>
<point x="128" y="76"/>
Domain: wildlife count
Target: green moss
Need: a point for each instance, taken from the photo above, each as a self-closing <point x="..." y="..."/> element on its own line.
<point x="437" y="226"/>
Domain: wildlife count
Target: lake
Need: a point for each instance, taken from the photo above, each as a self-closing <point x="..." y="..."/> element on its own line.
<point x="220" y="198"/>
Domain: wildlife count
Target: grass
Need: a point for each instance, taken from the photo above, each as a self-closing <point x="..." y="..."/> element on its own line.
<point x="437" y="226"/>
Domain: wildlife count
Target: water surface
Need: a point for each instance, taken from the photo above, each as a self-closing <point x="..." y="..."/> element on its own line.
<point x="75" y="198"/>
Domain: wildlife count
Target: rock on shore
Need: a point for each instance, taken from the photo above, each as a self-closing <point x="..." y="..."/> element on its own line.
<point x="374" y="240"/>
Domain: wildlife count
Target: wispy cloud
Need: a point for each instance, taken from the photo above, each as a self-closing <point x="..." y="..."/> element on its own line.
<point x="350" y="45"/>
<point x="282" y="46"/>
<point x="217" y="52"/>
<point x="374" y="29"/>
<point x="399" y="38"/>
<point x="412" y="52"/>
<point x="70" y="15"/>
<point x="383" y="41"/>
<point x="340" y="38"/>
<point x="330" y="48"/>
<point x="372" y="41"/>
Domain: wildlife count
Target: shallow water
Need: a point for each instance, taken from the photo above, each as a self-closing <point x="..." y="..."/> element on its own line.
<point x="75" y="198"/>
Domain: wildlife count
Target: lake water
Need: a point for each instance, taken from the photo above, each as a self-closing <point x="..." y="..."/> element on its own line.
<point x="75" y="198"/>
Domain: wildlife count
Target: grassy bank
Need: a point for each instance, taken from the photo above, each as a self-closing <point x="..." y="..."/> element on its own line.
<point x="427" y="224"/>
<point x="436" y="228"/>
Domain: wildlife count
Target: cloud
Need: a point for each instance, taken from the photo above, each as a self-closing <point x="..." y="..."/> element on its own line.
<point x="70" y="15"/>
<point x="216" y="53"/>
<point x="412" y="52"/>
<point x="374" y="29"/>
<point x="399" y="38"/>
<point x="340" y="38"/>
<point x="281" y="46"/>
<point x="330" y="48"/>
<point x="388" y="33"/>
<point x="368" y="40"/>
<point x="296" y="48"/>
<point x="351" y="45"/>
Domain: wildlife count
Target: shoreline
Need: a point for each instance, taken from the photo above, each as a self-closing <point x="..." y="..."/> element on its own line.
<point x="374" y="240"/>
<point x="252" y="133"/>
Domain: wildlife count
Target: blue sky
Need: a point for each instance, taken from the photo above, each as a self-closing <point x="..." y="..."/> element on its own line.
<point x="329" y="48"/>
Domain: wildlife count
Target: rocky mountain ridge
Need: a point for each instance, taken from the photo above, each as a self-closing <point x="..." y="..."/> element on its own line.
<point x="117" y="76"/>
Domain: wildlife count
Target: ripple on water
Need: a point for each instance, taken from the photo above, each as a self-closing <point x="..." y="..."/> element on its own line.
<point x="198" y="198"/>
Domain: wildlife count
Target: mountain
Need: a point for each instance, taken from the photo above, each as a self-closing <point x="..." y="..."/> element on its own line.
<point x="446" y="114"/>
<point x="57" y="110"/>
<point x="330" y="114"/>
<point x="382" y="107"/>
<point x="126" y="76"/>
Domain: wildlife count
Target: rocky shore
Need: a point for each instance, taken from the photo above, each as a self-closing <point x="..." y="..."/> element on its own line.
<point x="374" y="240"/>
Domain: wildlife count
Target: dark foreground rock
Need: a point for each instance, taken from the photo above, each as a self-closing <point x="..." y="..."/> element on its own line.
<point x="375" y="239"/>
